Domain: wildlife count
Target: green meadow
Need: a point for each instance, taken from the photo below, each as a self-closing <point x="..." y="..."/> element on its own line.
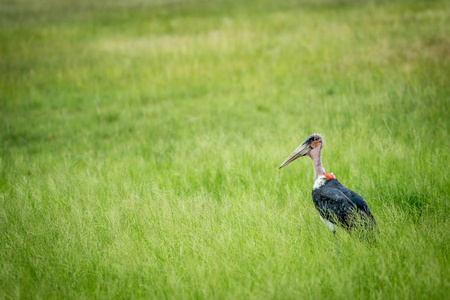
<point x="140" y="143"/>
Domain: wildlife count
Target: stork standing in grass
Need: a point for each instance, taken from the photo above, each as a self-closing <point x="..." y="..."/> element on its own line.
<point x="337" y="205"/>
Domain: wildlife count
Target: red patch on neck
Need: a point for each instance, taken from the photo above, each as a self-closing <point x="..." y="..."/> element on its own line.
<point x="329" y="176"/>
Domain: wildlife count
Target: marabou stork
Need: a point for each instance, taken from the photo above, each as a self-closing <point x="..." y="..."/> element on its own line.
<point x="337" y="205"/>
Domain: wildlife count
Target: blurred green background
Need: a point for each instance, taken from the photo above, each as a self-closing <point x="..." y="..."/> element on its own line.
<point x="140" y="142"/>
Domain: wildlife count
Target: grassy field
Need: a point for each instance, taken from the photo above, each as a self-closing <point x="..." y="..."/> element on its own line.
<point x="140" y="143"/>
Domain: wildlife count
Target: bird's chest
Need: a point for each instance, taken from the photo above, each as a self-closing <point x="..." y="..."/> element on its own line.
<point x="319" y="182"/>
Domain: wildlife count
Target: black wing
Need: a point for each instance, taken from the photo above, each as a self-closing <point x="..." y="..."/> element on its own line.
<point x="356" y="199"/>
<point x="333" y="205"/>
<point x="362" y="206"/>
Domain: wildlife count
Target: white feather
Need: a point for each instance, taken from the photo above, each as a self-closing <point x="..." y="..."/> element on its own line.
<point x="319" y="182"/>
<point x="328" y="224"/>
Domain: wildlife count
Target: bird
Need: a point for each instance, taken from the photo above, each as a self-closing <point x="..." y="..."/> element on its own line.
<point x="338" y="206"/>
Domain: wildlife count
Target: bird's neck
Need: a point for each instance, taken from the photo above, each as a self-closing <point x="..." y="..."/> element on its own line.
<point x="317" y="163"/>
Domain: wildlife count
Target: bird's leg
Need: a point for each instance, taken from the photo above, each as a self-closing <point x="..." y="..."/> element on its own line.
<point x="336" y="242"/>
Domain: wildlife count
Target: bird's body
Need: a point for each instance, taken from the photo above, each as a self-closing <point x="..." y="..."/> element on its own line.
<point x="337" y="205"/>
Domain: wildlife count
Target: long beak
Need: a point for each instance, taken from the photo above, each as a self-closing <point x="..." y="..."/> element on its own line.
<point x="302" y="150"/>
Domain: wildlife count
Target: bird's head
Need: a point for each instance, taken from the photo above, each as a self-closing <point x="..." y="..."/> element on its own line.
<point x="310" y="147"/>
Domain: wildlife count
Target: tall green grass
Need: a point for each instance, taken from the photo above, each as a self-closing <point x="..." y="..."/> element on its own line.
<point x="140" y="143"/>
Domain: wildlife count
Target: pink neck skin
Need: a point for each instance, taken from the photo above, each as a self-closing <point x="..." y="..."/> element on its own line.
<point x="317" y="163"/>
